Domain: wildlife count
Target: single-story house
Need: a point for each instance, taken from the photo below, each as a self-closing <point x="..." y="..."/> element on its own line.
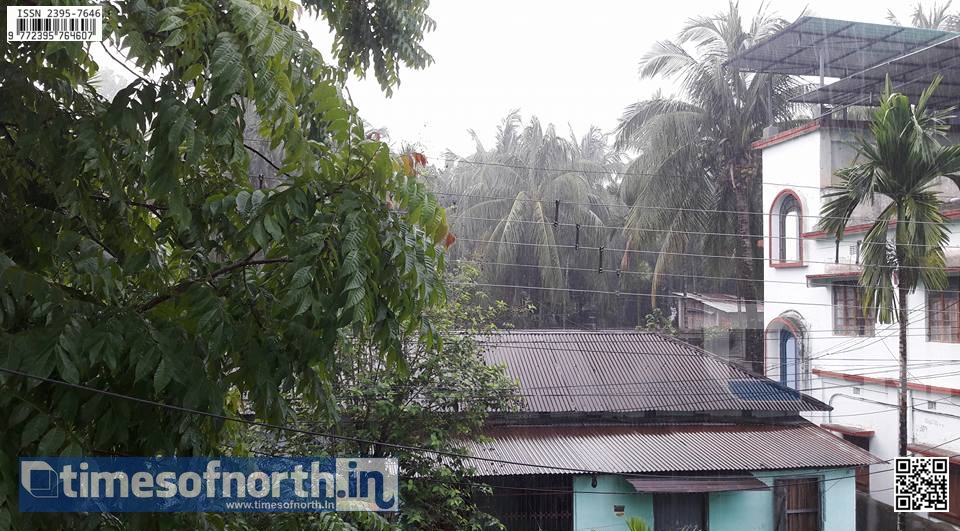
<point x="616" y="424"/>
<point x="696" y="311"/>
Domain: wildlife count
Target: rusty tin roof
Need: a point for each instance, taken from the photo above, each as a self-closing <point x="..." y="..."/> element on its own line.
<point x="662" y="448"/>
<point x="625" y="371"/>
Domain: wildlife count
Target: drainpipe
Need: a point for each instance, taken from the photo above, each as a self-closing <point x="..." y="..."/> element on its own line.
<point x="891" y="407"/>
<point x="857" y="398"/>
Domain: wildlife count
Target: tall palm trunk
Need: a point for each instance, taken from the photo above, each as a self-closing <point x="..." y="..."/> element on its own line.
<point x="902" y="446"/>
<point x="740" y="184"/>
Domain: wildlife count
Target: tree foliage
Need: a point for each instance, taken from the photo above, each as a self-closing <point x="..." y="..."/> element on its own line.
<point x="506" y="216"/>
<point x="383" y="34"/>
<point x="695" y="157"/>
<point x="440" y="403"/>
<point x="899" y="165"/>
<point x="936" y="16"/>
<point x="136" y="258"/>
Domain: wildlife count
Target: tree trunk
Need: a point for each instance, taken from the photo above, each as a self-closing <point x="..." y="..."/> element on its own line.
<point x="740" y="181"/>
<point x="902" y="445"/>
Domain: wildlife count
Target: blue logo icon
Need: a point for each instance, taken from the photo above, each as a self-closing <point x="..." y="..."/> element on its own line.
<point x="39" y="479"/>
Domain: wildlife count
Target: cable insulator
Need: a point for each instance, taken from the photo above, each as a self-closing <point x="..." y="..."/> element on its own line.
<point x="576" y="239"/>
<point x="600" y="259"/>
<point x="556" y="213"/>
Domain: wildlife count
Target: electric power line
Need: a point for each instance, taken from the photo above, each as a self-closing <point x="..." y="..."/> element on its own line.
<point x="640" y="251"/>
<point x="629" y="293"/>
<point x="553" y="201"/>
<point x="301" y="431"/>
<point x="557" y="223"/>
<point x="621" y="272"/>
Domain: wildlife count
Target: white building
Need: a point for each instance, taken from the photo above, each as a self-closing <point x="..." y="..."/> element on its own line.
<point x="816" y="338"/>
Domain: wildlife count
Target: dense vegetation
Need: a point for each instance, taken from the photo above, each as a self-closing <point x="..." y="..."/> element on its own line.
<point x="681" y="216"/>
<point x="143" y="254"/>
<point x="136" y="258"/>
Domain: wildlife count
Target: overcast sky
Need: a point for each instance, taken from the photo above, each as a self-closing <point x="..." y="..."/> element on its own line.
<point x="570" y="63"/>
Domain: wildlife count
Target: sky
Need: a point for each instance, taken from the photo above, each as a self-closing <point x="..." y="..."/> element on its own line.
<point x="570" y="63"/>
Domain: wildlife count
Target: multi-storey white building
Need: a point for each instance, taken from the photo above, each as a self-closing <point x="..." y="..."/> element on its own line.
<point x="816" y="338"/>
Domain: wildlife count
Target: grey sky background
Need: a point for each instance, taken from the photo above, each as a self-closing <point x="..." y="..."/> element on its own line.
<point x="570" y="63"/>
<point x="567" y="62"/>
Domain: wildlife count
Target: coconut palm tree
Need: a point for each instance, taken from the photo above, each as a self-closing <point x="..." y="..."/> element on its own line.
<point x="938" y="16"/>
<point x="696" y="172"/>
<point x="506" y="211"/>
<point x="901" y="165"/>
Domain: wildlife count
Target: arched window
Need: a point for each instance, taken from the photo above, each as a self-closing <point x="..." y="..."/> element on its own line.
<point x="786" y="225"/>
<point x="785" y="358"/>
<point x="789" y="359"/>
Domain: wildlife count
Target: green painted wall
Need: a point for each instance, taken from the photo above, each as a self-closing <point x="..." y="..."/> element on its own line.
<point x="728" y="511"/>
<point x="593" y="507"/>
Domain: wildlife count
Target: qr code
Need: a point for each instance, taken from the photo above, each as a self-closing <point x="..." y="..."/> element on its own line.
<point x="921" y="484"/>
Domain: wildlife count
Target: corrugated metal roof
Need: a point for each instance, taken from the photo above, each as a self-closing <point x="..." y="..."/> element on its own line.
<point x="662" y="448"/>
<point x="909" y="74"/>
<point x="846" y="47"/>
<point x="626" y="371"/>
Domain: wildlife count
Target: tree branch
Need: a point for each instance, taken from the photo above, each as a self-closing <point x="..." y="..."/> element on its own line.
<point x="157" y="210"/>
<point x="267" y="160"/>
<point x="180" y="287"/>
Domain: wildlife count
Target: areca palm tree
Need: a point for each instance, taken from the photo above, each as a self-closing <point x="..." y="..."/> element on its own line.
<point x="901" y="165"/>
<point x="506" y="211"/>
<point x="696" y="172"/>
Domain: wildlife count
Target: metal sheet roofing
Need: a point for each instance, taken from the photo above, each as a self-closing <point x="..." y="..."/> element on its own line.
<point x="845" y="47"/>
<point x="662" y="448"/>
<point x="909" y="74"/>
<point x="625" y="371"/>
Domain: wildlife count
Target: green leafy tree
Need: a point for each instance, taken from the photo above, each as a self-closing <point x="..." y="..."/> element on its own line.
<point x="656" y="321"/>
<point x="440" y="403"/>
<point x="136" y="258"/>
<point x="695" y="154"/>
<point x="899" y="166"/>
<point x="380" y="34"/>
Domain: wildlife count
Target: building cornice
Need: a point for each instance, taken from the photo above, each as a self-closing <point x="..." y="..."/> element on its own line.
<point x="887" y="382"/>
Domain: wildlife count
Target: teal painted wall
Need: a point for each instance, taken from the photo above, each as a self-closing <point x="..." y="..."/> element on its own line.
<point x="728" y="511"/>
<point x="593" y="507"/>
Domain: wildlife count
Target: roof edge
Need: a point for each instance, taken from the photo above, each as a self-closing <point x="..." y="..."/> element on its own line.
<point x="789" y="134"/>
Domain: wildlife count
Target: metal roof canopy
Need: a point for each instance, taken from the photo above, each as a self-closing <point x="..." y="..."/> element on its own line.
<point x="813" y="46"/>
<point x="910" y="74"/>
